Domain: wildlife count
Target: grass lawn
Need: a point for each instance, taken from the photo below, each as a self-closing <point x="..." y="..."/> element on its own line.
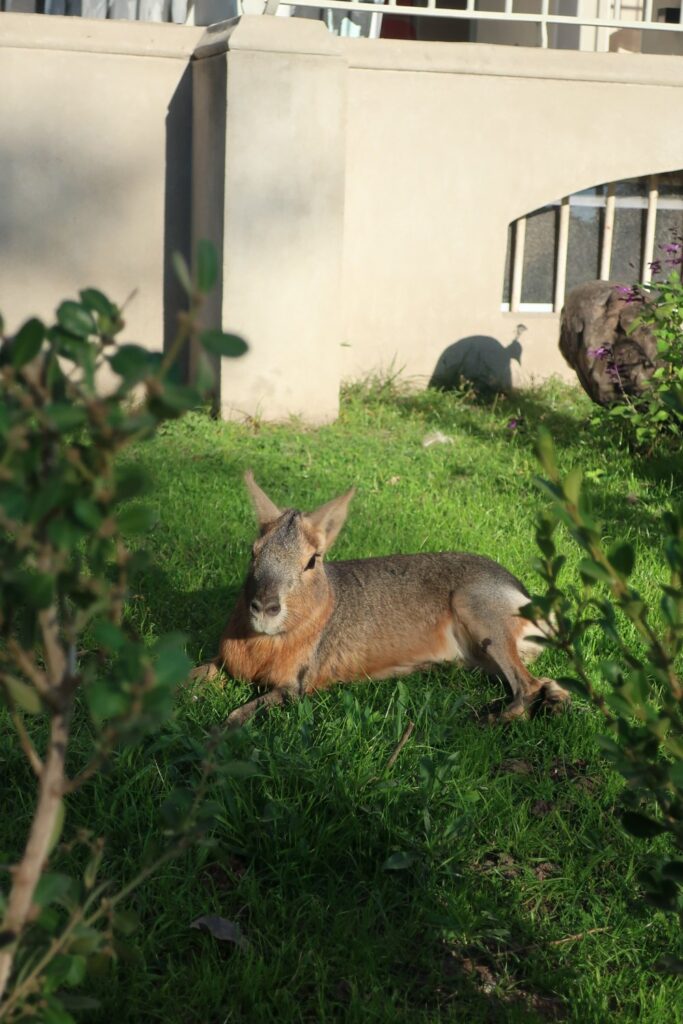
<point x="482" y="876"/>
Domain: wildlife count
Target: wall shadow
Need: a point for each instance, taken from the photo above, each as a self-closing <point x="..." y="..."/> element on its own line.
<point x="177" y="208"/>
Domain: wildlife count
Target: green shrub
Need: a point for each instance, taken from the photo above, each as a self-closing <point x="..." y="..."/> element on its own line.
<point x="642" y="699"/>
<point x="654" y="419"/>
<point x="64" y="638"/>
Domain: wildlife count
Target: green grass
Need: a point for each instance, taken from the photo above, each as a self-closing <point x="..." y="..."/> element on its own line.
<point x="519" y="898"/>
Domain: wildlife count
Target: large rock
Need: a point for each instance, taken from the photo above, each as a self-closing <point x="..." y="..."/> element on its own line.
<point x="609" y="361"/>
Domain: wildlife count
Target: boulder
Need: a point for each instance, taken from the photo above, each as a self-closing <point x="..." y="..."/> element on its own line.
<point x="609" y="360"/>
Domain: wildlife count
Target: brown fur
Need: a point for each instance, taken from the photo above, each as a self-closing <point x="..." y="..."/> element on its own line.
<point x="300" y="625"/>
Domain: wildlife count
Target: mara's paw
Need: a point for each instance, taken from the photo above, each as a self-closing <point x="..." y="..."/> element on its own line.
<point x="202" y="674"/>
<point x="517" y="709"/>
<point x="553" y="698"/>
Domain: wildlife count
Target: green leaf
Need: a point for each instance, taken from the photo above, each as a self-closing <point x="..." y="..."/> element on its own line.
<point x="221" y="344"/>
<point x="27" y="342"/>
<point x="546" y="452"/>
<point x="673" y="869"/>
<point x="572" y="484"/>
<point x="55" y="887"/>
<point x="97" y="302"/>
<point x="591" y="570"/>
<point x="171" y="663"/>
<point x="398" y="861"/>
<point x="130" y="481"/>
<point x="37" y="588"/>
<point x="75" y="319"/>
<point x="64" y="416"/>
<point x="623" y="558"/>
<point x="106" y="700"/>
<point x="108" y="634"/>
<point x="24" y="696"/>
<point x="132" y="362"/>
<point x="13" y="501"/>
<point x="54" y="1013"/>
<point x="126" y="922"/>
<point x="207" y="265"/>
<point x="182" y="272"/>
<point x="641" y="826"/>
<point x="176" y="399"/>
<point x="86" y="940"/>
<point x="573" y="685"/>
<point x="64" y="534"/>
<point x="87" y="512"/>
<point x="136" y="519"/>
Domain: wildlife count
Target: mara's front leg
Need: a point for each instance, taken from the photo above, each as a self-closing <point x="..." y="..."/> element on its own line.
<point x="274" y="697"/>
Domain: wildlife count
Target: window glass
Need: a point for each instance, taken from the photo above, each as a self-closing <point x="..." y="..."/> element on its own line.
<point x="627" y="245"/>
<point x="583" y="249"/>
<point x="538" y="279"/>
<point x="631" y="188"/>
<point x="671" y="184"/>
<point x="507" y="278"/>
<point x="587" y="210"/>
<point x="596" y="191"/>
<point x="668" y="231"/>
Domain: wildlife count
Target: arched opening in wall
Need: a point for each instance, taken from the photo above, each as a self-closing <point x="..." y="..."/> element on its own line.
<point x="611" y="232"/>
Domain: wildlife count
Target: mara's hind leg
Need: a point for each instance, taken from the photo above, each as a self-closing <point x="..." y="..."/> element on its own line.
<point x="496" y="643"/>
<point x="526" y="688"/>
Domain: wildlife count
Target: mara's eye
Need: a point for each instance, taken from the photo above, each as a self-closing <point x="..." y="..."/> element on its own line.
<point x="312" y="561"/>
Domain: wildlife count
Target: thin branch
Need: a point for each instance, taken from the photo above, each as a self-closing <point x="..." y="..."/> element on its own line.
<point x="29" y="667"/>
<point x="26" y="743"/>
<point x="408" y="732"/>
<point x="30" y="868"/>
<point x="55" y="658"/>
<point x="93" y="766"/>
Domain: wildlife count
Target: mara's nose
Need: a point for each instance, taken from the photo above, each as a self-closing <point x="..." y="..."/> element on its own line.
<point x="271" y="606"/>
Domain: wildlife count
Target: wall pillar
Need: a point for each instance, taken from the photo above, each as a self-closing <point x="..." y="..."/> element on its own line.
<point x="268" y="188"/>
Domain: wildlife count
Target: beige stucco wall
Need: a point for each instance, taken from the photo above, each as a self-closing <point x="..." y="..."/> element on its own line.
<point x="359" y="191"/>
<point x="446" y="145"/>
<point x="95" y="158"/>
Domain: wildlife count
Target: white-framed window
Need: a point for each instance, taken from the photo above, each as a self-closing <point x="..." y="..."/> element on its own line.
<point x="612" y="232"/>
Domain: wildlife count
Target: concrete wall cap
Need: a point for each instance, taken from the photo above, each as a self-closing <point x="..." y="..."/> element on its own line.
<point x="516" y="61"/>
<point x="132" y="38"/>
<point x="301" y="36"/>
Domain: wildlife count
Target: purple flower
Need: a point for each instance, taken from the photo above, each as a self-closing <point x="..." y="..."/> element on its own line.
<point x="656" y="266"/>
<point x="672" y="247"/>
<point x="513" y="423"/>
<point x="628" y="293"/>
<point x="599" y="353"/>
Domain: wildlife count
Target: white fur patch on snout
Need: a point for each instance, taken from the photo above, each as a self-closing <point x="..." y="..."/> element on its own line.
<point x="269" y="625"/>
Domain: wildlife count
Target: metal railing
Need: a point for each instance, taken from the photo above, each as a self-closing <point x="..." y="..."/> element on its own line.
<point x="645" y="15"/>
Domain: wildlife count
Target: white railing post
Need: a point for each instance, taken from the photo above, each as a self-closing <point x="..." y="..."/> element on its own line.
<point x="543" y="24"/>
<point x="562" y="248"/>
<point x="607" y="232"/>
<point x="650" y="224"/>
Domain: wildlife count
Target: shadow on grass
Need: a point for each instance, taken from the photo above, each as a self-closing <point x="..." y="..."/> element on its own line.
<point x="201" y="614"/>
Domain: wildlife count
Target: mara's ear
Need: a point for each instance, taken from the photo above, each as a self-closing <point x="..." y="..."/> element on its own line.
<point x="265" y="509"/>
<point x="328" y="520"/>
